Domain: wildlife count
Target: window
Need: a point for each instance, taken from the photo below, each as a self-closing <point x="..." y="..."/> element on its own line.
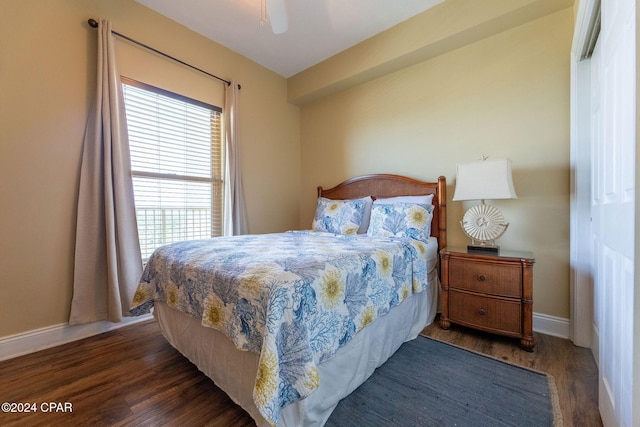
<point x="176" y="165"/>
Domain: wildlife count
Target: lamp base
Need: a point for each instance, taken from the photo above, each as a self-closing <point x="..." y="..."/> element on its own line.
<point x="484" y="224"/>
<point x="483" y="249"/>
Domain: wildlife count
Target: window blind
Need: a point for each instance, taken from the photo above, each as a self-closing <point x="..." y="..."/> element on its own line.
<point x="176" y="165"/>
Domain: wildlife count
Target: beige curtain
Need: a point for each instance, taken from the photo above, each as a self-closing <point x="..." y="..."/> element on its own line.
<point x="235" y="221"/>
<point x="108" y="263"/>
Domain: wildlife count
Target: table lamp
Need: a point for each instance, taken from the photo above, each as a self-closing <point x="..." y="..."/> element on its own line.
<point x="481" y="180"/>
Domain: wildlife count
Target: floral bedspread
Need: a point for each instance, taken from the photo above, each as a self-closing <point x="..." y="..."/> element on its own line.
<point x="293" y="298"/>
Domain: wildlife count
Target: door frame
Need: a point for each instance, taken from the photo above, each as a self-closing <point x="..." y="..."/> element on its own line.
<point x="583" y="331"/>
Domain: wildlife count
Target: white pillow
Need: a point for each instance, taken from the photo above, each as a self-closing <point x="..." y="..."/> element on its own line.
<point x="427" y="199"/>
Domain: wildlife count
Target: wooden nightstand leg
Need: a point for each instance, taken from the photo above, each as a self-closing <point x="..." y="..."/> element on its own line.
<point x="528" y="343"/>
<point x="444" y="323"/>
<point x="444" y="295"/>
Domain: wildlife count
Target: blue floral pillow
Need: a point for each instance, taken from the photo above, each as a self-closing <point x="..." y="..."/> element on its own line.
<point x="339" y="216"/>
<point x="400" y="220"/>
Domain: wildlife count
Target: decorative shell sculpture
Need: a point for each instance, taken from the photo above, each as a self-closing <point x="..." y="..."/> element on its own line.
<point x="483" y="224"/>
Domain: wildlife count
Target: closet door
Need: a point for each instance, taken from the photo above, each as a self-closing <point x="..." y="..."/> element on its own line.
<point x="613" y="207"/>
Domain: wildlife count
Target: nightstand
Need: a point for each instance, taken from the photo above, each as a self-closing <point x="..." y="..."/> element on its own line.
<point x="490" y="292"/>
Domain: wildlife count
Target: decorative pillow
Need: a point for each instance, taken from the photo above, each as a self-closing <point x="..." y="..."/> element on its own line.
<point x="400" y="220"/>
<point x="338" y="216"/>
<point x="426" y="200"/>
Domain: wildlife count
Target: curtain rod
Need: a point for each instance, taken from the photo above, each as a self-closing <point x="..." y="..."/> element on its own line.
<point x="94" y="24"/>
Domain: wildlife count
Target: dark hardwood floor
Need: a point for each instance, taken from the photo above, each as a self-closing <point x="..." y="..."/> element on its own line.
<point x="133" y="377"/>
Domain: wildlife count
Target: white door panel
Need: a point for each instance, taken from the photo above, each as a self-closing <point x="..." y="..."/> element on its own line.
<point x="613" y="207"/>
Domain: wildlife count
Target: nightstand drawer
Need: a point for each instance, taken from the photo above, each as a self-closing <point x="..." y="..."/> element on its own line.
<point x="488" y="278"/>
<point x="483" y="312"/>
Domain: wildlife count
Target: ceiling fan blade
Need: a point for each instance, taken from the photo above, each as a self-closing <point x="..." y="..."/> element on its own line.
<point x="277" y="15"/>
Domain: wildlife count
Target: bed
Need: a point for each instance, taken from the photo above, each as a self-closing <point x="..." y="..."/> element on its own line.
<point x="287" y="333"/>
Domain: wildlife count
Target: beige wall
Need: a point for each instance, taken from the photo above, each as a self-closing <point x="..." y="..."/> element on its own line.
<point x="47" y="69"/>
<point x="506" y="95"/>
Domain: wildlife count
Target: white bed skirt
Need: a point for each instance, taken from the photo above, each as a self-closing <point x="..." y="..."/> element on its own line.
<point x="234" y="371"/>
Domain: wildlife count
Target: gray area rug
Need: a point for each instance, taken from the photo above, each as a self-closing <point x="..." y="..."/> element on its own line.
<point x="431" y="383"/>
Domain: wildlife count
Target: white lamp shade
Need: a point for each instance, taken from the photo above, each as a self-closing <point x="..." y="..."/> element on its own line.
<point x="485" y="179"/>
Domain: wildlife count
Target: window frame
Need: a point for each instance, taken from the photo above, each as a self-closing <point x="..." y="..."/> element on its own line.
<point x="217" y="168"/>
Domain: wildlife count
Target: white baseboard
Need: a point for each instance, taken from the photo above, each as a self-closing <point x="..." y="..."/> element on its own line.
<point x="51" y="336"/>
<point x="551" y="325"/>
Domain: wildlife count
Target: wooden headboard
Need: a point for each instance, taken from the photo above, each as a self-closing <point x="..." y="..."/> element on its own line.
<point x="385" y="185"/>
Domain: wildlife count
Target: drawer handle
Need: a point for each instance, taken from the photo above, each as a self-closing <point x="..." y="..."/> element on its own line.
<point x="482" y="277"/>
<point x="482" y="312"/>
